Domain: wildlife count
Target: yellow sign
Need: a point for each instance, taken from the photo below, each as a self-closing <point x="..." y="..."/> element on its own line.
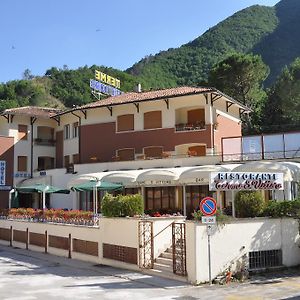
<point x="107" y="79"/>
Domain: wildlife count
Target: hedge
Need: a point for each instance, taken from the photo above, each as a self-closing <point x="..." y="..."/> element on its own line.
<point x="122" y="205"/>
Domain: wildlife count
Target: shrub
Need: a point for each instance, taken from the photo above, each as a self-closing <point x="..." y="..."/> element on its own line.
<point x="249" y="204"/>
<point x="283" y="209"/>
<point x="122" y="206"/>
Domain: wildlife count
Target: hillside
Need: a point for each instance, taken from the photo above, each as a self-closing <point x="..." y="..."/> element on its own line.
<point x="59" y="88"/>
<point x="272" y="32"/>
<point x="191" y="63"/>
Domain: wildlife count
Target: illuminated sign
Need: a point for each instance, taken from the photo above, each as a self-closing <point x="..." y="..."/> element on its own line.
<point x="107" y="79"/>
<point x="227" y="181"/>
<point x="103" y="88"/>
<point x="2" y="172"/>
<point x="108" y="85"/>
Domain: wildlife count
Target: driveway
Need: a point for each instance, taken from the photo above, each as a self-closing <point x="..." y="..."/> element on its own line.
<point x="27" y="275"/>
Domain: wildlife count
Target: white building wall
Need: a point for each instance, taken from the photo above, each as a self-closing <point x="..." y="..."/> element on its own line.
<point x="230" y="242"/>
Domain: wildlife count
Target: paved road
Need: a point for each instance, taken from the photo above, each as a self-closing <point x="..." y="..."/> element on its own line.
<point x="26" y="275"/>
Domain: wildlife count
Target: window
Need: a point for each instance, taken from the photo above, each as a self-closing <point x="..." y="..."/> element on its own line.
<point x="75" y="130"/>
<point x="75" y="158"/>
<point x="22" y="163"/>
<point x="194" y="194"/>
<point x="196" y="116"/>
<point x="45" y="163"/>
<point x="22" y="132"/>
<point x="197" y="150"/>
<point x="160" y="198"/>
<point x="153" y="152"/>
<point x="125" y="154"/>
<point x="67" y="131"/>
<point x="265" y="259"/>
<point x="152" y="120"/>
<point x="125" y="123"/>
<point x="66" y="161"/>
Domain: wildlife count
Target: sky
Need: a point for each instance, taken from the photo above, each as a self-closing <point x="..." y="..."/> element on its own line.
<point x="40" y="34"/>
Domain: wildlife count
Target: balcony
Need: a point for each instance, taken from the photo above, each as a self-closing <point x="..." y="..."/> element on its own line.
<point x="44" y="142"/>
<point x="190" y="126"/>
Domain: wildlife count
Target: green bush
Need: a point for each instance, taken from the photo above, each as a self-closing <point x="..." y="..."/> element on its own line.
<point x="122" y="206"/>
<point x="249" y="204"/>
<point x="283" y="209"/>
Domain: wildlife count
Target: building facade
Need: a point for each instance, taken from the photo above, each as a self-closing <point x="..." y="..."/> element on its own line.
<point x="162" y="144"/>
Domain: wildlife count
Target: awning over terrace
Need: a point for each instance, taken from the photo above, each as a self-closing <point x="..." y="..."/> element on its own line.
<point x="186" y="175"/>
<point x="201" y="174"/>
<point x="291" y="171"/>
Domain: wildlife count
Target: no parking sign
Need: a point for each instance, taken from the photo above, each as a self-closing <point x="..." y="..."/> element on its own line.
<point x="208" y="206"/>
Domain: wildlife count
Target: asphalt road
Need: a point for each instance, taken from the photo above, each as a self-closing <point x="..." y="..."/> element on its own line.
<point x="27" y="275"/>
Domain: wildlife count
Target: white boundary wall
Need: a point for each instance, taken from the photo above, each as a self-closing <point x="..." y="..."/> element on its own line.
<point x="113" y="231"/>
<point x="230" y="242"/>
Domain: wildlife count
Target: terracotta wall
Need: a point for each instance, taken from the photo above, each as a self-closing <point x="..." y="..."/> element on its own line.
<point x="7" y="154"/>
<point x="101" y="140"/>
<point x="59" y="149"/>
<point x="226" y="128"/>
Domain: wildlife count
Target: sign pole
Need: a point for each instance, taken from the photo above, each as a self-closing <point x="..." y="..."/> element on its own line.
<point x="208" y="206"/>
<point x="209" y="254"/>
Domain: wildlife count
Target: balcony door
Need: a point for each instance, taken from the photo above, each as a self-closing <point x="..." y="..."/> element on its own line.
<point x="196" y="116"/>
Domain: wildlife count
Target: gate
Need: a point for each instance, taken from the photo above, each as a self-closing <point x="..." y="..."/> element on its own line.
<point x="179" y="248"/>
<point x="146" y="259"/>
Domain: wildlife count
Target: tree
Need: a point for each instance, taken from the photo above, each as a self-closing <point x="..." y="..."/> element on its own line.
<point x="27" y="75"/>
<point x="241" y="76"/>
<point x="282" y="109"/>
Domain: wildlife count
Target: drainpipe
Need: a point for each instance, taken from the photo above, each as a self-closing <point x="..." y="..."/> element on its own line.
<point x="184" y="199"/>
<point x="79" y="135"/>
<point x="32" y="121"/>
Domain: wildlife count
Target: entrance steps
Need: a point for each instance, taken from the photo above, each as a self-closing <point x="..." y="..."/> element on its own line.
<point x="163" y="266"/>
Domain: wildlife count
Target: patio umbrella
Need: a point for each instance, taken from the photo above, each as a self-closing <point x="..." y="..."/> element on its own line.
<point x="43" y="189"/>
<point x="96" y="185"/>
<point x="93" y="184"/>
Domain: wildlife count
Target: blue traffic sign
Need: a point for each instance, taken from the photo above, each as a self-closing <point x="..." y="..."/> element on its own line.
<point x="208" y="206"/>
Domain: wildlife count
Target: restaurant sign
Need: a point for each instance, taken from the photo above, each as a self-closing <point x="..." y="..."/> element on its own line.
<point x="228" y="181"/>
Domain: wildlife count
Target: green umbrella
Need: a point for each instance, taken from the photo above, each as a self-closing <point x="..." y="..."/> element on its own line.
<point x="96" y="185"/>
<point x="93" y="184"/>
<point x="42" y="188"/>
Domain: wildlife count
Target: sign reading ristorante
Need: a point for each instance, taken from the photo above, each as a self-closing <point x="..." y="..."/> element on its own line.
<point x="225" y="181"/>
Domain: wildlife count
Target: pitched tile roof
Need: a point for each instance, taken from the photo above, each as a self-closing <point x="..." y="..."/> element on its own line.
<point x="146" y="96"/>
<point x="32" y="111"/>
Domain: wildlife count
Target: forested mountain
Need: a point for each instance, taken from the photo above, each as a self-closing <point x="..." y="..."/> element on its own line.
<point x="59" y="88"/>
<point x="272" y="32"/>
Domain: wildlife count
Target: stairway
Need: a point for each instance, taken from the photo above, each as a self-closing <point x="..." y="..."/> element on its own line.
<point x="163" y="266"/>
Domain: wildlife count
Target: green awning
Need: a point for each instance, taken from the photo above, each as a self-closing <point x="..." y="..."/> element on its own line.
<point x="40" y="188"/>
<point x="100" y="185"/>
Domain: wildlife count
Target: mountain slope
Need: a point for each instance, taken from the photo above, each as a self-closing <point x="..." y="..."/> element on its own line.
<point x="191" y="63"/>
<point x="282" y="46"/>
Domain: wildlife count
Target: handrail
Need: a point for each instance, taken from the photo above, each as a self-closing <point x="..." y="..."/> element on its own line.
<point x="163" y="230"/>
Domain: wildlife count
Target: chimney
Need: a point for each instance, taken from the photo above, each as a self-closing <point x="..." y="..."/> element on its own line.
<point x="138" y="88"/>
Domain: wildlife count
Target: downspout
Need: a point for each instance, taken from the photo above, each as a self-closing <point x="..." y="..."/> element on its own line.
<point x="79" y="135"/>
<point x="32" y="120"/>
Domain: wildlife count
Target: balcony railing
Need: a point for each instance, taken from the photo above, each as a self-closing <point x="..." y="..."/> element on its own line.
<point x="44" y="142"/>
<point x="190" y="126"/>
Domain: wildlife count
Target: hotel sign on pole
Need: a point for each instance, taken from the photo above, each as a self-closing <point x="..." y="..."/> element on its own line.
<point x="105" y="84"/>
<point x="228" y="181"/>
<point x="2" y="172"/>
